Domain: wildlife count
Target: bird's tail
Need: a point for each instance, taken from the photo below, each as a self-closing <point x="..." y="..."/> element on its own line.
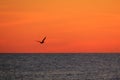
<point x="37" y="41"/>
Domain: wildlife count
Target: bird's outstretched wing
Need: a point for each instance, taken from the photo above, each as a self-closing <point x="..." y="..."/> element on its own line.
<point x="43" y="40"/>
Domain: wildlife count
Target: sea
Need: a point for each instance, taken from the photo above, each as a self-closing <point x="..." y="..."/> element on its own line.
<point x="67" y="66"/>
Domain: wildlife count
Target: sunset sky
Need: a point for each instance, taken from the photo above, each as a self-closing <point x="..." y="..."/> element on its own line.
<point x="70" y="25"/>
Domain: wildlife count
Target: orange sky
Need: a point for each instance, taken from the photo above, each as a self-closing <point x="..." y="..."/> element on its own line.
<point x="70" y="25"/>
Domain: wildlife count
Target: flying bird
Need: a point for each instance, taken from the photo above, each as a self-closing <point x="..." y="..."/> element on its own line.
<point x="42" y="41"/>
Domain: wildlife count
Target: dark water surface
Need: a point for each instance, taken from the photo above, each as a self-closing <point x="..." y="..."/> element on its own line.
<point x="59" y="66"/>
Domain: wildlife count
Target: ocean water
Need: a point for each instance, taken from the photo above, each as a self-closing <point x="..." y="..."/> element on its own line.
<point x="60" y="66"/>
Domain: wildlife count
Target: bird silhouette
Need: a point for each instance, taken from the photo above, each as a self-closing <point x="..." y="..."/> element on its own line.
<point x="42" y="41"/>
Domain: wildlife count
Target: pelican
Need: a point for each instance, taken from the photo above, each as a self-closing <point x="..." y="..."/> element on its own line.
<point x="43" y="40"/>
